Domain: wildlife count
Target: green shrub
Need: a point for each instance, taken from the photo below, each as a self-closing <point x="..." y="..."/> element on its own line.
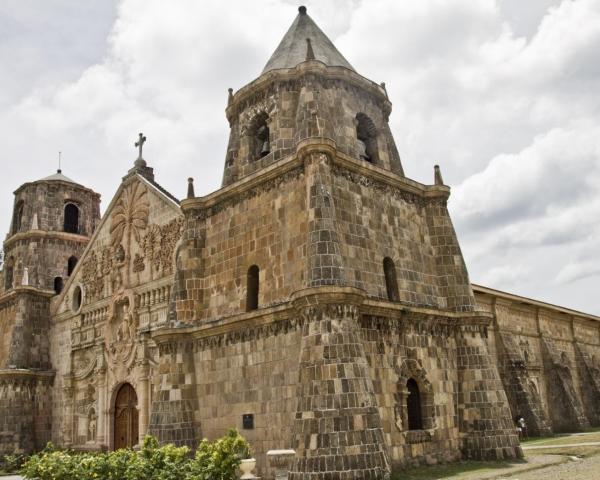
<point x="216" y="460"/>
<point x="11" y="463"/>
<point x="219" y="459"/>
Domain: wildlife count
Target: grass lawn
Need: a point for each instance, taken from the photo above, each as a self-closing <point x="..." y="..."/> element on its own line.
<point x="593" y="436"/>
<point x="570" y="451"/>
<point x="455" y="470"/>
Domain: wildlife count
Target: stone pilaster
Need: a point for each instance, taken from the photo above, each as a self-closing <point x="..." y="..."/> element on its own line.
<point x="172" y="411"/>
<point x="337" y="431"/>
<point x="325" y="260"/>
<point x="453" y="277"/>
<point x="484" y="418"/>
<point x="565" y="404"/>
<point x="589" y="374"/>
<point x="187" y="293"/>
<point x="523" y="396"/>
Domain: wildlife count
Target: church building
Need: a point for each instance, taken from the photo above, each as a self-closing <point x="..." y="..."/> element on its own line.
<point x="318" y="301"/>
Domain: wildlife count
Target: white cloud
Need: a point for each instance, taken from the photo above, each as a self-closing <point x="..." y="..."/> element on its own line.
<point x="512" y="118"/>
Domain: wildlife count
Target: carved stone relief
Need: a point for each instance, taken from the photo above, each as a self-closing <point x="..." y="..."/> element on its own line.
<point x="114" y="264"/>
<point x="121" y="329"/>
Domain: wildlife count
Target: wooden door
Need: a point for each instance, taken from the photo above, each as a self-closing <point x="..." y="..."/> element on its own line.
<point x="126" y="418"/>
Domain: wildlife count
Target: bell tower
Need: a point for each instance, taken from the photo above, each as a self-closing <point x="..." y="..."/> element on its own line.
<point x="319" y="242"/>
<point x="307" y="89"/>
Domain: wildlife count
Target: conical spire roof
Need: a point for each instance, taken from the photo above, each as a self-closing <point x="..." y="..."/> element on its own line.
<point x="293" y="47"/>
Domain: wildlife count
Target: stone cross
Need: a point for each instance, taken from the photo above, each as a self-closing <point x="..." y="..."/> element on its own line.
<point x="140" y="145"/>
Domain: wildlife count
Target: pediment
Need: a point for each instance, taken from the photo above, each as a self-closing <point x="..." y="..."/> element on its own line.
<point x="134" y="244"/>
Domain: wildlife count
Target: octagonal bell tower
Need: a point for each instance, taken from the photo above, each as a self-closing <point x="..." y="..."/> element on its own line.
<point x="307" y="89"/>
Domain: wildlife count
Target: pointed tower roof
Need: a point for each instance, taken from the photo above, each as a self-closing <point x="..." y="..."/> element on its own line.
<point x="293" y="47"/>
<point x="59" y="176"/>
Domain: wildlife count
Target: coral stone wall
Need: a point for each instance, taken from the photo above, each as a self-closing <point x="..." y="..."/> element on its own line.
<point x="548" y="361"/>
<point x="310" y="105"/>
<point x="396" y="351"/>
<point x="44" y="203"/>
<point x="266" y="227"/>
<point x="255" y="372"/>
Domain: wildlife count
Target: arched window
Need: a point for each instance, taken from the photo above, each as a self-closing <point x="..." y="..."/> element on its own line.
<point x="71" y="223"/>
<point x="413" y="405"/>
<point x="366" y="139"/>
<point x="71" y="262"/>
<point x="18" y="217"/>
<point x="259" y="137"/>
<point x="391" y="282"/>
<point x="58" y="285"/>
<point x="9" y="268"/>
<point x="252" y="289"/>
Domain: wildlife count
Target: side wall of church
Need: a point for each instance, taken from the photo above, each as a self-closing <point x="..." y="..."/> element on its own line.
<point x="548" y="358"/>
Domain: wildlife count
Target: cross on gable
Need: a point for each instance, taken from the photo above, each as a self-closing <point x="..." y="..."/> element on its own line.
<point x="140" y="145"/>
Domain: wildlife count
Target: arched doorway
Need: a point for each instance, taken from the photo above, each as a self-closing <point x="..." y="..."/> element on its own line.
<point x="126" y="431"/>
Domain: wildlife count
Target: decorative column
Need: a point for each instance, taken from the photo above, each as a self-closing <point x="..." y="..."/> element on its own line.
<point x="337" y="431"/>
<point x="484" y="419"/>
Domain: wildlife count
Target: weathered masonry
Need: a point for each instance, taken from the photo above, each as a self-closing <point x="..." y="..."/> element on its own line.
<point x="318" y="301"/>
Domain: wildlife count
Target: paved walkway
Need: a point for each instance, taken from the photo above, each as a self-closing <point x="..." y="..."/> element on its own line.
<point x="584" y="469"/>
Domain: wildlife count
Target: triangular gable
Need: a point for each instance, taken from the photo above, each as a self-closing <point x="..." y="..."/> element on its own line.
<point x="155" y="225"/>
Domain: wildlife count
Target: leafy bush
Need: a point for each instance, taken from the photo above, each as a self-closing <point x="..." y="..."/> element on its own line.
<point x="219" y="459"/>
<point x="216" y="460"/>
<point x="11" y="463"/>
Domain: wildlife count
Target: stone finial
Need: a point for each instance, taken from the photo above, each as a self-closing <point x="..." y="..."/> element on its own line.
<point x="437" y="175"/>
<point x="310" y="55"/>
<point x="190" y="192"/>
<point x="384" y="89"/>
<point x="302" y="10"/>
<point x="230" y="96"/>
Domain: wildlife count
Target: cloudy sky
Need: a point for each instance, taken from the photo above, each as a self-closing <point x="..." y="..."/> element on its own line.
<point x="504" y="95"/>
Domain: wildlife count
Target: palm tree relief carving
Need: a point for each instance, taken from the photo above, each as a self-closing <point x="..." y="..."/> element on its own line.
<point x="129" y="218"/>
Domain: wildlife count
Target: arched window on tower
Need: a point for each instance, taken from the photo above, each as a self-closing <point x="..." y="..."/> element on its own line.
<point x="391" y="282"/>
<point x="413" y="405"/>
<point x="58" y="285"/>
<point x="71" y="262"/>
<point x="366" y="139"/>
<point x="260" y="145"/>
<point x="252" y="289"/>
<point x="18" y="217"/>
<point x="9" y="268"/>
<point x="71" y="223"/>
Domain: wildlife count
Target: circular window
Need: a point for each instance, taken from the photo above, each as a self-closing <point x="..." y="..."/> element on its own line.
<point x="77" y="299"/>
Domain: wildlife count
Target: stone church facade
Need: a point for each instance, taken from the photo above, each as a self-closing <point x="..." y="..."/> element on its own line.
<point x="318" y="301"/>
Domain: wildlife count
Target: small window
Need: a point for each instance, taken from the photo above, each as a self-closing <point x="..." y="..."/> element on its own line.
<point x="9" y="272"/>
<point x="18" y="217"/>
<point x="77" y="299"/>
<point x="391" y="282"/>
<point x="71" y="224"/>
<point x="71" y="265"/>
<point x="58" y="285"/>
<point x="252" y="289"/>
<point x="366" y="139"/>
<point x="413" y="404"/>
